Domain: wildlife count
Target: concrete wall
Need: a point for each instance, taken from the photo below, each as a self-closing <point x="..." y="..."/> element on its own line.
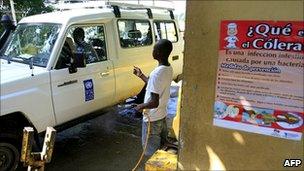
<point x="204" y="146"/>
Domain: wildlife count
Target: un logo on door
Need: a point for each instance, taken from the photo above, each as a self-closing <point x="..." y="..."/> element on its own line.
<point x="88" y="89"/>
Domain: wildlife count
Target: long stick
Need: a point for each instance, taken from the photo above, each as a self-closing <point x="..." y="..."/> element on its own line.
<point x="13" y="12"/>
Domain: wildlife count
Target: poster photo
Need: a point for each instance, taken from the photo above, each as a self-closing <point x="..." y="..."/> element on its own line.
<point x="259" y="85"/>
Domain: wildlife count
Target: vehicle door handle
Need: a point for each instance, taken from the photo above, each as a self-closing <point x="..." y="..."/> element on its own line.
<point x="175" y="57"/>
<point x="67" y="83"/>
<point x="104" y="74"/>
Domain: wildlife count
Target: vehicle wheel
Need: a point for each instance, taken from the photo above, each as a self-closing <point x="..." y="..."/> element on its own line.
<point x="9" y="156"/>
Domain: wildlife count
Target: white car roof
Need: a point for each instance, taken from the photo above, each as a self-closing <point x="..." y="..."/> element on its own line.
<point x="85" y="15"/>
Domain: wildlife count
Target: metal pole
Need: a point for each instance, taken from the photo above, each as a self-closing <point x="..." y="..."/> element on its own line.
<point x="13" y="12"/>
<point x="36" y="160"/>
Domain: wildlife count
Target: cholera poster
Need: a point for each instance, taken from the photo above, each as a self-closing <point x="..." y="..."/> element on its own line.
<point x="259" y="86"/>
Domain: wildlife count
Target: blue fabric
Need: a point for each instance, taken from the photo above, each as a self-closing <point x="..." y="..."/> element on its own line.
<point x="129" y="112"/>
<point x="158" y="135"/>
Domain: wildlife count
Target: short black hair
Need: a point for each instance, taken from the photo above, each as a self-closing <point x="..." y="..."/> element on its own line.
<point x="165" y="47"/>
<point x="78" y="32"/>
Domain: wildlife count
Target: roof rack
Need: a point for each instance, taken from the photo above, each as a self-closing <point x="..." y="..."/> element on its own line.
<point x="77" y="4"/>
<point x="117" y="6"/>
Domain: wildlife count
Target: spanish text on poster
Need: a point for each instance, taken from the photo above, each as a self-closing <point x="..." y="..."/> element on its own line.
<point x="259" y="84"/>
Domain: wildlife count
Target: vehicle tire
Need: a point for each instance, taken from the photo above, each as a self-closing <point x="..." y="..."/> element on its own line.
<point x="9" y="156"/>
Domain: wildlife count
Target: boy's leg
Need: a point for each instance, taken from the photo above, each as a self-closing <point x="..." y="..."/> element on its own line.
<point x="144" y="133"/>
<point x="154" y="136"/>
<point x="164" y="132"/>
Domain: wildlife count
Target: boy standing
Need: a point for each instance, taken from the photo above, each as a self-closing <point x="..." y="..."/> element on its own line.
<point x="156" y="97"/>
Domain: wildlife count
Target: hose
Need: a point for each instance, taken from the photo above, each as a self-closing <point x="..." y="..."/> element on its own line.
<point x="146" y="144"/>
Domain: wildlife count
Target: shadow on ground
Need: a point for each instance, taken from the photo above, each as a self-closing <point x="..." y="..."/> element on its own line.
<point x="111" y="141"/>
<point x="107" y="142"/>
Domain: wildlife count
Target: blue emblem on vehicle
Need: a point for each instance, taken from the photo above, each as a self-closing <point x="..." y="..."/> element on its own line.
<point x="88" y="89"/>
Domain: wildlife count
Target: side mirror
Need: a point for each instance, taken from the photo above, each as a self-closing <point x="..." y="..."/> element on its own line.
<point x="77" y="62"/>
<point x="72" y="68"/>
<point x="80" y="60"/>
<point x="134" y="34"/>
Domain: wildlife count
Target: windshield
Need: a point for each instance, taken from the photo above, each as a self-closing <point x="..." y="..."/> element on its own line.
<point x="32" y="42"/>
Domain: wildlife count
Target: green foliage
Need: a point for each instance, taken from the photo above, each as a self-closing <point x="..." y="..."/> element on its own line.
<point x="24" y="8"/>
<point x="30" y="7"/>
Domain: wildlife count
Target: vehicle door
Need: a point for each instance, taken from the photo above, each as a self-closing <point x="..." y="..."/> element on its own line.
<point x="91" y="87"/>
<point x="167" y="29"/>
<point x="134" y="48"/>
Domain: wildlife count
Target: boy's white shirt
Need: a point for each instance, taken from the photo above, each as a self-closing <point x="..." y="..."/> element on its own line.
<point x="159" y="82"/>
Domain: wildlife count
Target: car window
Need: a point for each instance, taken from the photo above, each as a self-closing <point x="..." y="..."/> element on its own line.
<point x="32" y="42"/>
<point x="134" y="33"/>
<point x="83" y="40"/>
<point x="66" y="54"/>
<point x="165" y="30"/>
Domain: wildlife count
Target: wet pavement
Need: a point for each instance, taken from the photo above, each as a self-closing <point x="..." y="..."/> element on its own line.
<point x="111" y="141"/>
<point x="107" y="142"/>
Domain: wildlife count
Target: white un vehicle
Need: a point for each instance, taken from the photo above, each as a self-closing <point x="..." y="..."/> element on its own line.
<point x="63" y="65"/>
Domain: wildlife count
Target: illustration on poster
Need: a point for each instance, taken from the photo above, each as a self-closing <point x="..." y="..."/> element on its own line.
<point x="289" y="120"/>
<point x="257" y="116"/>
<point x="231" y="38"/>
<point x="232" y="111"/>
<point x="266" y="117"/>
<point x="219" y="109"/>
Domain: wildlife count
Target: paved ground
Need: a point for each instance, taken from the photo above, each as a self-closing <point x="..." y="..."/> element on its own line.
<point x="108" y="142"/>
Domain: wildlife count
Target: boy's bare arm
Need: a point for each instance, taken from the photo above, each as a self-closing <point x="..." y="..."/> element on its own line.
<point x="137" y="71"/>
<point x="151" y="104"/>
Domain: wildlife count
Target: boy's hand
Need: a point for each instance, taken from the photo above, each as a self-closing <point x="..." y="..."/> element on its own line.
<point x="139" y="108"/>
<point x="137" y="71"/>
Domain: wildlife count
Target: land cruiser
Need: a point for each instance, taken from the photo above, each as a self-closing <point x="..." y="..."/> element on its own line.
<point x="63" y="65"/>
